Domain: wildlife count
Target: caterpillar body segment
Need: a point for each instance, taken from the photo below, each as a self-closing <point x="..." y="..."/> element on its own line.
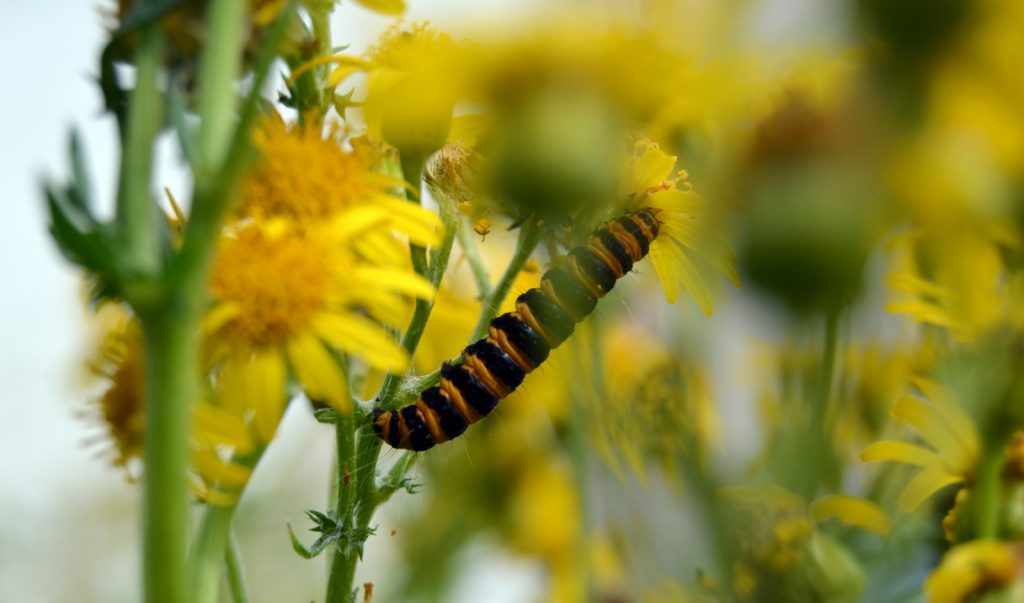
<point x="518" y="342"/>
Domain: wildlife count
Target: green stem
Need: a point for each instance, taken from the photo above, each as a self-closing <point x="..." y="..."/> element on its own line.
<point x="171" y="351"/>
<point x="208" y="553"/>
<point x="136" y="211"/>
<point x="476" y="264"/>
<point x="342" y="574"/>
<point x="439" y="257"/>
<point x="235" y="571"/>
<point x="218" y="72"/>
<point x="528" y="239"/>
<point x="817" y="429"/>
<point x="988" y="509"/>
<point x="170" y="324"/>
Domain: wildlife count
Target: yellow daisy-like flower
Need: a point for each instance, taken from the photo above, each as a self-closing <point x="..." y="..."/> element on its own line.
<point x="220" y="436"/>
<point x="944" y="426"/>
<point x="119" y="363"/>
<point x="957" y="281"/>
<point x="414" y="78"/>
<point x="655" y="405"/>
<point x="688" y="253"/>
<point x="286" y="300"/>
<point x="970" y="568"/>
<point x="304" y="176"/>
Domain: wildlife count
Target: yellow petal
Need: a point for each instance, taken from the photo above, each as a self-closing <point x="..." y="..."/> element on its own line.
<point x="651" y="169"/>
<point x="968" y="568"/>
<point x="852" y="510"/>
<point x="354" y="222"/>
<point x="362" y="338"/>
<point x="234" y="392"/>
<point x="923" y="485"/>
<point x="909" y="283"/>
<point x="677" y="201"/>
<point x="384" y="7"/>
<point x="218" y="316"/>
<point x="320" y="375"/>
<point x="255" y="382"/>
<point x="928" y="422"/>
<point x="666" y="269"/>
<point x="215" y="426"/>
<point x="215" y="469"/>
<point x="421" y="225"/>
<point x="212" y="496"/>
<point x="921" y="312"/>
<point x="690" y="276"/>
<point x="901" y="452"/>
<point x="401" y="281"/>
<point x="268" y="378"/>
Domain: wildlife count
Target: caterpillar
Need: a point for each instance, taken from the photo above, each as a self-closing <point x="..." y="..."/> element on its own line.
<point x="518" y="342"/>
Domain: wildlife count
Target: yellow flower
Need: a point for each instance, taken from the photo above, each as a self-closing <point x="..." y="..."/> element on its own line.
<point x="286" y="297"/>
<point x="301" y="175"/>
<point x="414" y="77"/>
<point x="119" y="364"/>
<point x="970" y="568"/>
<point x="655" y="405"/>
<point x="944" y="426"/>
<point x="688" y="253"/>
<point x="219" y="437"/>
<point x="955" y="279"/>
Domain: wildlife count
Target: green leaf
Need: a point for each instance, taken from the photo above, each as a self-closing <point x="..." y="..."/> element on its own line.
<point x="325" y="415"/>
<point x="349" y="541"/>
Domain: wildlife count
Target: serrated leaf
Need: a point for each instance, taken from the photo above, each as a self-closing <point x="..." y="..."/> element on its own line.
<point x="314" y="549"/>
<point x="80" y="189"/>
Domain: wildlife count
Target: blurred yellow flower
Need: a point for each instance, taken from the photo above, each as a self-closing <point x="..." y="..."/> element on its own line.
<point x="957" y="281"/>
<point x="304" y="176"/>
<point x="415" y="75"/>
<point x="971" y="568"/>
<point x="654" y="406"/>
<point x="945" y="427"/>
<point x="118" y="361"/>
<point x="689" y="252"/>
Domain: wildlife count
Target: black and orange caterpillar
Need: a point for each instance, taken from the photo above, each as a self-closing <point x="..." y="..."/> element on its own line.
<point x="518" y="342"/>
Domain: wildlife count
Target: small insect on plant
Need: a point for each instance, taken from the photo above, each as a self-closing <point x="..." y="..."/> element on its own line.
<point x="519" y="341"/>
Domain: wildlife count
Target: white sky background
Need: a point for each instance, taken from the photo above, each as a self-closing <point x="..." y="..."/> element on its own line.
<point x="67" y="521"/>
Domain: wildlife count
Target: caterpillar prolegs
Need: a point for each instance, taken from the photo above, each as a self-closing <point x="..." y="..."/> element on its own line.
<point x="518" y="342"/>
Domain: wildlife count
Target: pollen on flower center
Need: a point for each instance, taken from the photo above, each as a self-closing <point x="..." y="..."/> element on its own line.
<point x="277" y="283"/>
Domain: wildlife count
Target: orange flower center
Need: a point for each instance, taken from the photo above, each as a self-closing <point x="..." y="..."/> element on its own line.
<point x="277" y="283"/>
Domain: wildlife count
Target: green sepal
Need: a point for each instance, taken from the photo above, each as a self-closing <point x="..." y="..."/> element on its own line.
<point x="348" y="541"/>
<point x="325" y="415"/>
<point x="388" y="487"/>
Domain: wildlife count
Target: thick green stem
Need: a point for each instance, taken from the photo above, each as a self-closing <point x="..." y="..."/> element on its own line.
<point x="208" y="553"/>
<point x="218" y="72"/>
<point x="528" y="239"/>
<point x="136" y="211"/>
<point x="170" y="322"/>
<point x="236" y="571"/>
<point x="171" y="349"/>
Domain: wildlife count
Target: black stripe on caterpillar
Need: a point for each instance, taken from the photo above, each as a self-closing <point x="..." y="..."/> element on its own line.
<point x="517" y="342"/>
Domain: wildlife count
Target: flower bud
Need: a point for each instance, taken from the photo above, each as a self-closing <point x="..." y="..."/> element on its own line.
<point x="555" y="151"/>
